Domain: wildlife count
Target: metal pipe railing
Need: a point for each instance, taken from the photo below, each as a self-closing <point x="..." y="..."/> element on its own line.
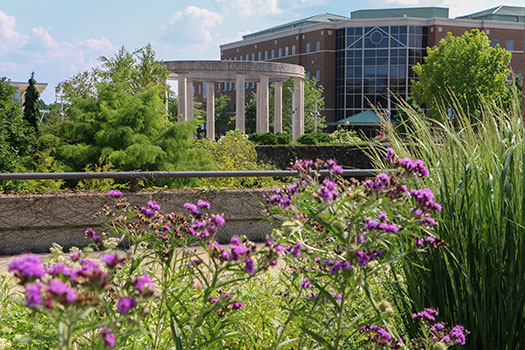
<point x="169" y="174"/>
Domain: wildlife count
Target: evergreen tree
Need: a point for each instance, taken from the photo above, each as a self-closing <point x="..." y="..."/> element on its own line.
<point x="31" y="112"/>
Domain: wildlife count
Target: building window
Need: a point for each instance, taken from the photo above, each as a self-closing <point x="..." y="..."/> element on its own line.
<point x="494" y="43"/>
<point x="307" y="47"/>
<point x="293" y="49"/>
<point x="273" y="53"/>
<point x="253" y="56"/>
<point x="318" y="75"/>
<point x="265" y="54"/>
<point x="259" y="56"/>
<point x="219" y="87"/>
<point x="522" y="46"/>
<point x="308" y="75"/>
<point x="279" y="52"/>
<point x="286" y="51"/>
<point x="317" y="46"/>
<point x="509" y="45"/>
<point x="247" y="57"/>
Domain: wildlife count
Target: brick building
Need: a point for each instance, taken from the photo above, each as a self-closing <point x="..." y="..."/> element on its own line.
<point x="367" y="58"/>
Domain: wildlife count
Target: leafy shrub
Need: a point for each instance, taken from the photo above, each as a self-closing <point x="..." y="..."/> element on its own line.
<point x="284" y="138"/>
<point x="345" y="137"/>
<point x="234" y="151"/>
<point x="314" y="138"/>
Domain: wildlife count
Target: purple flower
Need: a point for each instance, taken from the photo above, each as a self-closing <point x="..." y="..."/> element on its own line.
<point x="154" y="205"/>
<point x="115" y="194"/>
<point x="427" y="314"/>
<point x="74" y="256"/>
<point x="108" y="336"/>
<point x="332" y="164"/>
<point x="149" y="213"/>
<point x="218" y="219"/>
<point x="390" y="154"/>
<point x="192" y="208"/>
<point x="125" y="304"/>
<point x="417" y="167"/>
<point x="34" y="294"/>
<point x="27" y="267"/>
<point x="112" y="260"/>
<point x="306" y="284"/>
<point x="362" y="258"/>
<point x="144" y="285"/>
<point x="213" y="299"/>
<point x="203" y="204"/>
<point x="56" y="269"/>
<point x="224" y="255"/>
<point x="249" y="267"/>
<point x="459" y="334"/>
<point x="90" y="233"/>
<point x="60" y="289"/>
<point x="237" y="305"/>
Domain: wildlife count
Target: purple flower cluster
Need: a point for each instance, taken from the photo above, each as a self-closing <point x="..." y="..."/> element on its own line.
<point x="383" y="224"/>
<point x="332" y="165"/>
<point x="115" y="194"/>
<point x="91" y="234"/>
<point x="416" y="167"/>
<point x="439" y="331"/>
<point x="380" y="336"/>
<point x="27" y="268"/>
<point x="144" y="286"/>
<point x="381" y="182"/>
<point x="112" y="260"/>
<point x="108" y="336"/>
<point x="328" y="191"/>
<point x="425" y="199"/>
<point x="364" y="257"/>
<point x="125" y="304"/>
<point x="295" y="250"/>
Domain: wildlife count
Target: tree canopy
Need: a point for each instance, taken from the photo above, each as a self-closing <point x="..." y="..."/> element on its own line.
<point x="123" y="121"/>
<point x="17" y="137"/>
<point x="461" y="72"/>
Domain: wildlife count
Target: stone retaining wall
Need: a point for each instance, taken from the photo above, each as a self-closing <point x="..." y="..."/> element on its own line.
<point x="33" y="222"/>
<point x="281" y="156"/>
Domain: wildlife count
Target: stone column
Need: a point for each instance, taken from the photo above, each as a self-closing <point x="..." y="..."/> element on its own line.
<point x="262" y="107"/>
<point x="189" y="100"/>
<point x="278" y="107"/>
<point x="298" y="108"/>
<point x="210" y="110"/>
<point x="182" y="97"/>
<point x="258" y="107"/>
<point x="240" y="122"/>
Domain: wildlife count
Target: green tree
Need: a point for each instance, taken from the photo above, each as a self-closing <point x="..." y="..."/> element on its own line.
<point x="31" y="111"/>
<point x="223" y="114"/>
<point x="124" y="123"/>
<point x="461" y="72"/>
<point x="17" y="137"/>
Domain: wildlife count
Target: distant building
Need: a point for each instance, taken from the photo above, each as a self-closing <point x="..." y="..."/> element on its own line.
<point x="368" y="58"/>
<point x="20" y="88"/>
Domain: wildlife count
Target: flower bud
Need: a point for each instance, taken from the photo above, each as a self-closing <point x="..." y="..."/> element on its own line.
<point x="385" y="307"/>
<point x="440" y="346"/>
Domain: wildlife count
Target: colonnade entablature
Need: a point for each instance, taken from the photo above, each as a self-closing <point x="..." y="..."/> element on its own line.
<point x="240" y="72"/>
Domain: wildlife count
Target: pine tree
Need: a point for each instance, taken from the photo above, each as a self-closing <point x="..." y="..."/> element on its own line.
<point x="31" y="112"/>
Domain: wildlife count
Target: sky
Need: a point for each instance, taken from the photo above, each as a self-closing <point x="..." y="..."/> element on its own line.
<point x="59" y="38"/>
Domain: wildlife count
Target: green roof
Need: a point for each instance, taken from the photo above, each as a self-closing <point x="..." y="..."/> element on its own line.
<point x="416" y="12"/>
<point x="367" y="117"/>
<point x="499" y="13"/>
<point x="327" y="17"/>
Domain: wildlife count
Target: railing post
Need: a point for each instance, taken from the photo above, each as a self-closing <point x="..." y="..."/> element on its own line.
<point x="134" y="184"/>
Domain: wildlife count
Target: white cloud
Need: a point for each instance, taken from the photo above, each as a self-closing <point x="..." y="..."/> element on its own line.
<point x="195" y="22"/>
<point x="9" y="37"/>
<point x="250" y="8"/>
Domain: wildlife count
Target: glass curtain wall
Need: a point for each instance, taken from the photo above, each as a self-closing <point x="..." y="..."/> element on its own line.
<point x="374" y="66"/>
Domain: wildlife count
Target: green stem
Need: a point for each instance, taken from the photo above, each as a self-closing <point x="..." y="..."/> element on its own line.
<point x="340" y="318"/>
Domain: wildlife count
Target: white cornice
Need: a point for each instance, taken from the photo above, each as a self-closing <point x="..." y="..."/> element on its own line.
<point x="376" y="22"/>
